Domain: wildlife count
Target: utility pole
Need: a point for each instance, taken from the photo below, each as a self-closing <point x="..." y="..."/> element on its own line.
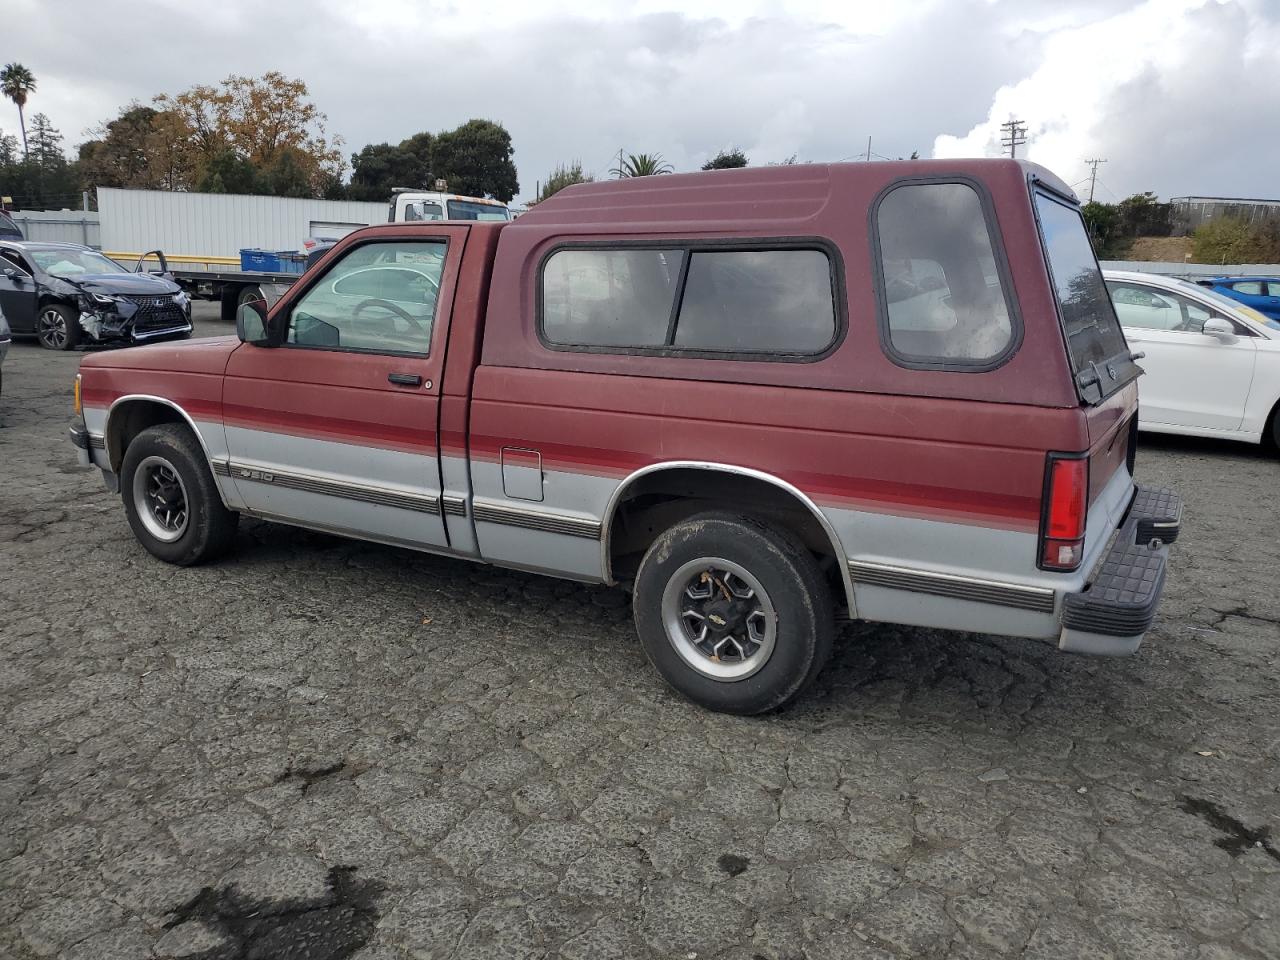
<point x="1014" y="135"/>
<point x="619" y="163"/>
<point x="1093" y="175"/>
<point x="868" y="148"/>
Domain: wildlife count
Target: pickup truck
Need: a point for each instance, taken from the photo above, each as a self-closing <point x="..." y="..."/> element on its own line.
<point x="762" y="400"/>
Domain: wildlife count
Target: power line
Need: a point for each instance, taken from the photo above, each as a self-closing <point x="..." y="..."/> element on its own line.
<point x="1093" y="175"/>
<point x="1014" y="135"/>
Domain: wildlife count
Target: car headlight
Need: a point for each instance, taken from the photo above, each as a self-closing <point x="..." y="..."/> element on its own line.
<point x="181" y="299"/>
<point x="91" y="300"/>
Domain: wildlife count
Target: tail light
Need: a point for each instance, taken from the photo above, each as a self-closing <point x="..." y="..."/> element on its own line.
<point x="1066" y="505"/>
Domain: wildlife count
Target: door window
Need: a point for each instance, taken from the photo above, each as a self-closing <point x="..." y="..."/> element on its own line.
<point x="379" y="298"/>
<point x="1144" y="307"/>
<point x="1250" y="288"/>
<point x="1273" y="288"/>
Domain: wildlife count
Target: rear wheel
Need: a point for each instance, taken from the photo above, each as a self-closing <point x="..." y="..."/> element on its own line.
<point x="734" y="614"/>
<point x="170" y="498"/>
<point x="57" y="327"/>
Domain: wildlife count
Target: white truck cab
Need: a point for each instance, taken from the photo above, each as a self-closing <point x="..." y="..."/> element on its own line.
<point x="410" y="206"/>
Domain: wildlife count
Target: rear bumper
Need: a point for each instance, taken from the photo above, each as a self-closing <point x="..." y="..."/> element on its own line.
<point x="1113" y="612"/>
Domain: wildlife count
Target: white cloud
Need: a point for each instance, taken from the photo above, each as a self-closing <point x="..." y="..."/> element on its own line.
<point x="579" y="79"/>
<point x="1174" y="94"/>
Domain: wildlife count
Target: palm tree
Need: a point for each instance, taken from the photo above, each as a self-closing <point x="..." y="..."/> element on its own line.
<point x="642" y="165"/>
<point x="16" y="81"/>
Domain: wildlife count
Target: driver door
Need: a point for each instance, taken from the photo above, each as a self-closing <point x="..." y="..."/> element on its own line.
<point x="17" y="296"/>
<point x="337" y="428"/>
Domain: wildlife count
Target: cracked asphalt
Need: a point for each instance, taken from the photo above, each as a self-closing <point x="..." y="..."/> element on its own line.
<point x="328" y="749"/>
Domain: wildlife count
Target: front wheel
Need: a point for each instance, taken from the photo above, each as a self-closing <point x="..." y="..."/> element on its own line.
<point x="734" y="614"/>
<point x="170" y="498"/>
<point x="57" y="327"/>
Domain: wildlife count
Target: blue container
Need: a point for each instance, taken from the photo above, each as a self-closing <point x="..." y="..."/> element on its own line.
<point x="254" y="258"/>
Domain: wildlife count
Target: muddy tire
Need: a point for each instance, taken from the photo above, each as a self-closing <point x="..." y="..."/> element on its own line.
<point x="170" y="498"/>
<point x="734" y="614"/>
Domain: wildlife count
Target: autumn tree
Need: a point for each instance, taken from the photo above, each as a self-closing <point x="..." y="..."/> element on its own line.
<point x="267" y="122"/>
<point x="142" y="148"/>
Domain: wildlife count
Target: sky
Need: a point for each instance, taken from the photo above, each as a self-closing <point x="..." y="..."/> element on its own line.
<point x="1178" y="96"/>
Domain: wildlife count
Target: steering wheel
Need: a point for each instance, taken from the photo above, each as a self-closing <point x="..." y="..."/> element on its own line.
<point x="387" y="305"/>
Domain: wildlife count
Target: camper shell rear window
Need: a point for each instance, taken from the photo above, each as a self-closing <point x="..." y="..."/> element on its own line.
<point x="1099" y="353"/>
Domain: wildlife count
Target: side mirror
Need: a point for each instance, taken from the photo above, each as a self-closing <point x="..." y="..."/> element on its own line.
<point x="251" y="324"/>
<point x="13" y="273"/>
<point x="1220" y="329"/>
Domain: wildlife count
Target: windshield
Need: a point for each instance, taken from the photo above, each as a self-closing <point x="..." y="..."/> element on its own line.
<point x="468" y="210"/>
<point x="73" y="263"/>
<point x="1094" y="337"/>
<point x="1235" y="306"/>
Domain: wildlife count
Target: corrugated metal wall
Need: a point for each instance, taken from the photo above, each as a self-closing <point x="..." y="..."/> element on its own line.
<point x="63" y="226"/>
<point x="218" y="224"/>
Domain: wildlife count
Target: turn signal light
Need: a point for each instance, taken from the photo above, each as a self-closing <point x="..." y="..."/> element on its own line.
<point x="1066" y="505"/>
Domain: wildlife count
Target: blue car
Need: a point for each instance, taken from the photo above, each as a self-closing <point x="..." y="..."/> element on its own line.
<point x="1261" y="293"/>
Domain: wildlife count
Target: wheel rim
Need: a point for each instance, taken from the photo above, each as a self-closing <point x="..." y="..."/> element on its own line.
<point x="52" y="330"/>
<point x="160" y="497"/>
<point x="719" y="618"/>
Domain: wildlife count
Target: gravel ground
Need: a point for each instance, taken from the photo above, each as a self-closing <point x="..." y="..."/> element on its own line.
<point x="327" y="749"/>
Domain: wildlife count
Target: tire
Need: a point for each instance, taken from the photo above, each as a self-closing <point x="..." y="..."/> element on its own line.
<point x="248" y="294"/>
<point x="162" y="466"/>
<point x="58" y="327"/>
<point x="775" y="620"/>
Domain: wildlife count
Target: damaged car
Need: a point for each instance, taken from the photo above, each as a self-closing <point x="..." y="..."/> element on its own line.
<point x="65" y="294"/>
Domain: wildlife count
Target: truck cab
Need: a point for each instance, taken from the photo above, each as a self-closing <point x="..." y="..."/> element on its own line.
<point x="418" y="206"/>
<point x="894" y="392"/>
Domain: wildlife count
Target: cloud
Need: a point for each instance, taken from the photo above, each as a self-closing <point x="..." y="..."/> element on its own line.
<point x="1174" y="94"/>
<point x="813" y="78"/>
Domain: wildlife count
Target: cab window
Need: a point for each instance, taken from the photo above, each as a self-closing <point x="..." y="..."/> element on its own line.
<point x="379" y="298"/>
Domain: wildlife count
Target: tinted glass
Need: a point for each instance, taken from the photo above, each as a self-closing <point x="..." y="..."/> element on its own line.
<point x="1251" y="288"/>
<point x="772" y="301"/>
<point x="609" y="298"/>
<point x="1088" y="318"/>
<point x="380" y="298"/>
<point x="945" y="301"/>
<point x="423" y="210"/>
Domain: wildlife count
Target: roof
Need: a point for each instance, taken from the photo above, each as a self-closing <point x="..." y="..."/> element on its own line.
<point x="774" y="195"/>
<point x="1221" y="200"/>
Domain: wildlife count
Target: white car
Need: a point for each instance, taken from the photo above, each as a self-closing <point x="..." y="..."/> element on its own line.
<point x="1212" y="364"/>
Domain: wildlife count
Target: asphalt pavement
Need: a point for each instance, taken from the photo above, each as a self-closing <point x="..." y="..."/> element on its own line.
<point x="327" y="749"/>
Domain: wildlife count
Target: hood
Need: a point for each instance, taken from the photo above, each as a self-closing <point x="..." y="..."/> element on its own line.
<point x="111" y="284"/>
<point x="208" y="355"/>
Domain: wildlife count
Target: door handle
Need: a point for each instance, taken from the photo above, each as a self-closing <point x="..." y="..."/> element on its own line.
<point x="405" y="379"/>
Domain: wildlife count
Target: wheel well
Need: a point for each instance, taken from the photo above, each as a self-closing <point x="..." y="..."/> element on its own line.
<point x="657" y="501"/>
<point x="129" y="419"/>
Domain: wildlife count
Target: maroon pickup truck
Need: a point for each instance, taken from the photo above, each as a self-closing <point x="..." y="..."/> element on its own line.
<point x="762" y="399"/>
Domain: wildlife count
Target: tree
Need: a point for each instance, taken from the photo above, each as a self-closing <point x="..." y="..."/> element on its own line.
<point x="476" y="159"/>
<point x="261" y="120"/>
<point x="561" y="177"/>
<point x="227" y="172"/>
<point x="379" y="168"/>
<point x="642" y="165"/>
<point x="43" y="178"/>
<point x="1102" y="220"/>
<point x="142" y="148"/>
<point x="726" y="160"/>
<point x="16" y="81"/>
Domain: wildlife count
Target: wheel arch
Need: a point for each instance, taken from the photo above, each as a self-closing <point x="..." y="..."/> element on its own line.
<point x="132" y="413"/>
<point x="658" y="474"/>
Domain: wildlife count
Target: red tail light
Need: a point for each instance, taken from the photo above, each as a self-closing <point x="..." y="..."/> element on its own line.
<point x="1066" y="504"/>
